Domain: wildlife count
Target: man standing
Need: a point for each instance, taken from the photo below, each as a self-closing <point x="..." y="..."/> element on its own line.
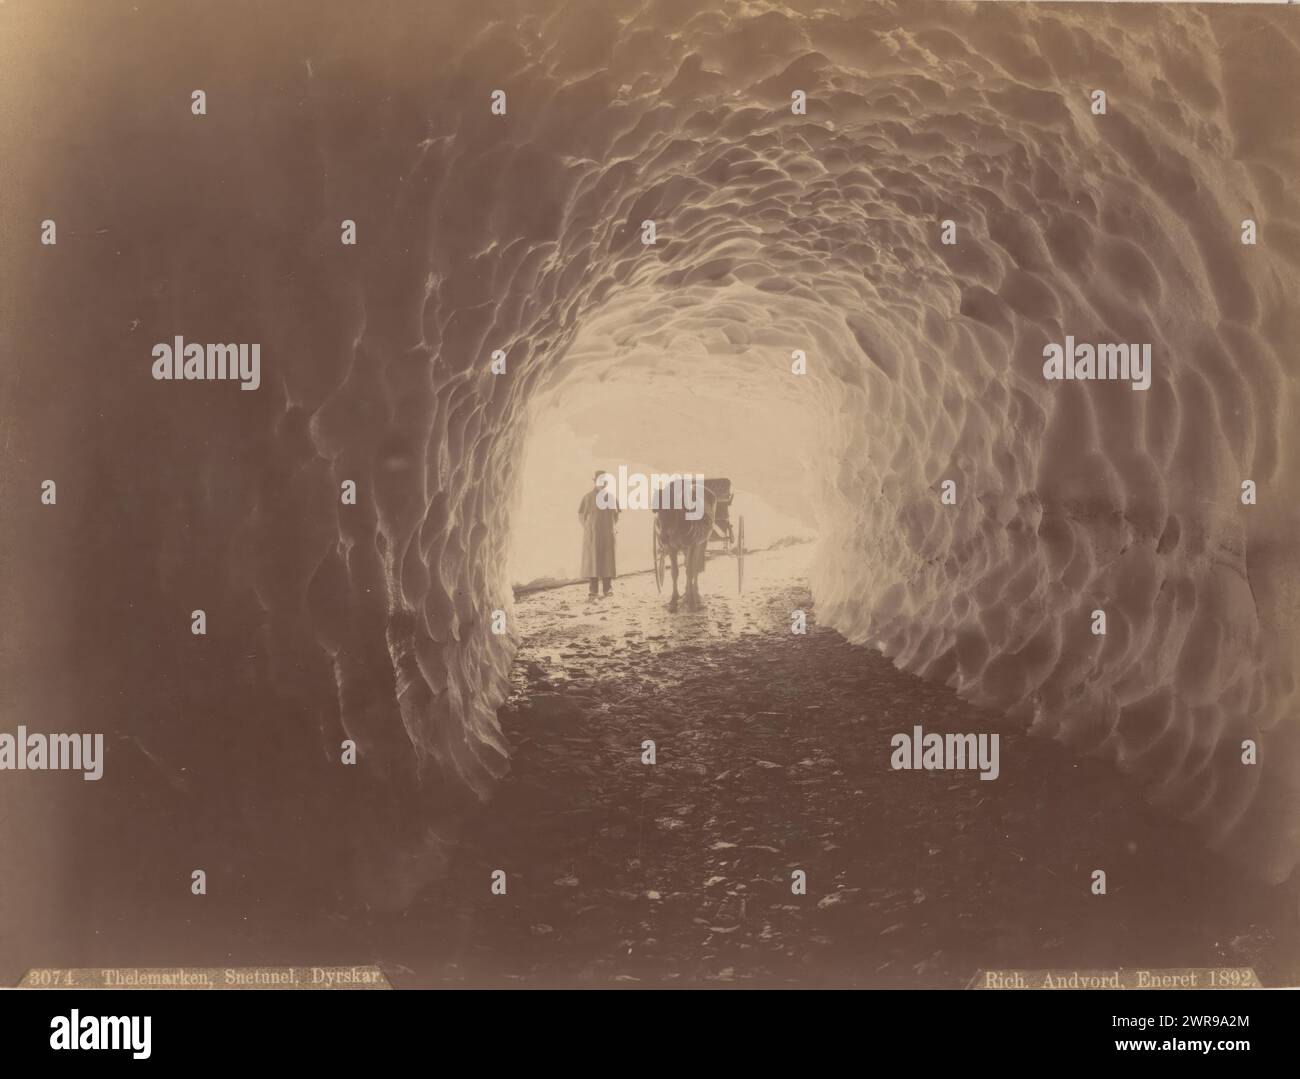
<point x="598" y="536"/>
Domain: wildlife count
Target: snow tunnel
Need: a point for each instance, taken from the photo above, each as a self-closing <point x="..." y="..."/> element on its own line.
<point x="653" y="210"/>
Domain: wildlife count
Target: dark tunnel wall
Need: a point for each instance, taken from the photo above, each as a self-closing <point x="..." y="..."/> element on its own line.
<point x="776" y="231"/>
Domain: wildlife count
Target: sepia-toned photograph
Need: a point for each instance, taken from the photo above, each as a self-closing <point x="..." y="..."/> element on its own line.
<point x="648" y="494"/>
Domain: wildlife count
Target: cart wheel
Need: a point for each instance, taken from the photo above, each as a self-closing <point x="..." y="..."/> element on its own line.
<point x="740" y="557"/>
<point x="658" y="557"/>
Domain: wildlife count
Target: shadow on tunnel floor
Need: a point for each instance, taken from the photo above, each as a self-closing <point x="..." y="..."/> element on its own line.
<point x="772" y="754"/>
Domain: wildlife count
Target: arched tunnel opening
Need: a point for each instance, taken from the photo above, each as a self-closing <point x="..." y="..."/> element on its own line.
<point x="831" y="256"/>
<point x="692" y="392"/>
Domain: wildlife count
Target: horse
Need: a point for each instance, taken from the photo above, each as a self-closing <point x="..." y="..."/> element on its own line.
<point x="677" y="533"/>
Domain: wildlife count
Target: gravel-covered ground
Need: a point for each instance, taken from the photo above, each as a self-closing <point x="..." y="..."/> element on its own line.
<point x="772" y="754"/>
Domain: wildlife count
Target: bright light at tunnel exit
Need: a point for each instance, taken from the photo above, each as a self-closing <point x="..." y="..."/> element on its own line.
<point x="570" y="439"/>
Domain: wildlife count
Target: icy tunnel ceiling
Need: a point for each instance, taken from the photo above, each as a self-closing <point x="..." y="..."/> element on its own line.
<point x="775" y="231"/>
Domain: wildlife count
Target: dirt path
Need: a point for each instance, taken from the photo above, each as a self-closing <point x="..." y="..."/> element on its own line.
<point x="773" y="755"/>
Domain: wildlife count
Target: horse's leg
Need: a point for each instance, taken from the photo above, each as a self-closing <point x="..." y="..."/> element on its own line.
<point x="672" y="603"/>
<point x="693" y="578"/>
